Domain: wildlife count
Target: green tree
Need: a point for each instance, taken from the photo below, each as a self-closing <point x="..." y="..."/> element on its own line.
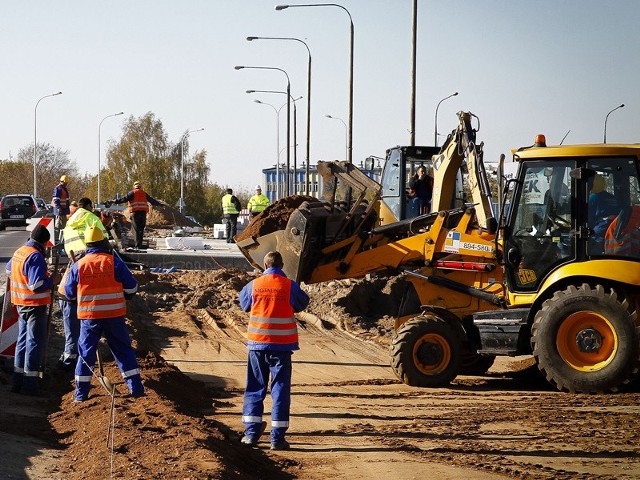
<point x="53" y="162"/>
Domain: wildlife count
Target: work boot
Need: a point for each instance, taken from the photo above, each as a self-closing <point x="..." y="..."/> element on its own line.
<point x="252" y="441"/>
<point x="281" y="445"/>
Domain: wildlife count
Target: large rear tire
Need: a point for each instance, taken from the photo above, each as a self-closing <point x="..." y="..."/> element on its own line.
<point x="426" y="352"/>
<point x="586" y="340"/>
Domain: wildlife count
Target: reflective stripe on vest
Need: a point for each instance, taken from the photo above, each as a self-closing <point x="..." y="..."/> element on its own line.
<point x="21" y="294"/>
<point x="228" y="208"/>
<point x="139" y="201"/>
<point x="624" y="241"/>
<point x="272" y="317"/>
<point x="99" y="294"/>
<point x="258" y="203"/>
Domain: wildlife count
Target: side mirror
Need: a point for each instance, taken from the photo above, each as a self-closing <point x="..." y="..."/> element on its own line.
<point x="513" y="258"/>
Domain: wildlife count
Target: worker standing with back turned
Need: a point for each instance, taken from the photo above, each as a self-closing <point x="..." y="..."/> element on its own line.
<point x="272" y="337"/>
<point x="101" y="283"/>
<point x="230" y="210"/>
<point x="139" y="201"/>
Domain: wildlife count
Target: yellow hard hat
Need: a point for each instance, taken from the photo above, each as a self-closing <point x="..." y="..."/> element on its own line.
<point x="136" y="184"/>
<point x="598" y="184"/>
<point x="64" y="178"/>
<point x="92" y="235"/>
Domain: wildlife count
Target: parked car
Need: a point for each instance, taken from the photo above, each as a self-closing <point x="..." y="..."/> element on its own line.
<point x="15" y="209"/>
<point x="42" y="205"/>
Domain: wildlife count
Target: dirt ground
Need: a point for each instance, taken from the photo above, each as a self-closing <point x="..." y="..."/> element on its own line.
<point x="351" y="418"/>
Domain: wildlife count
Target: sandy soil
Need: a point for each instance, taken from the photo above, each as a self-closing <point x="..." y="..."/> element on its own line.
<point x="351" y="418"/>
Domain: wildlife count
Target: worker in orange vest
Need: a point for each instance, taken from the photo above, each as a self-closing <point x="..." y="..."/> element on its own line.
<point x="272" y="337"/>
<point x="31" y="287"/>
<point x="623" y="235"/>
<point x="139" y="201"/>
<point x="101" y="283"/>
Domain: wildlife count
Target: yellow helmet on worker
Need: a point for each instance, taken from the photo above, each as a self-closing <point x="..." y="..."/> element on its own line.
<point x="137" y="184"/>
<point x="93" y="235"/>
<point x="64" y="178"/>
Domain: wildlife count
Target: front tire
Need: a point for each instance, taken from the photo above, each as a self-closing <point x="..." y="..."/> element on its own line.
<point x="426" y="352"/>
<point x="586" y="339"/>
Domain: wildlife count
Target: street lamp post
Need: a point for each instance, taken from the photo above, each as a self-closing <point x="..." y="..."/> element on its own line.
<point x="240" y="67"/>
<point x="350" y="130"/>
<point x="607" y="118"/>
<point x="184" y="137"/>
<point x="99" y="149"/>
<point x="345" y="131"/>
<point x="295" y="130"/>
<point x="35" y="142"/>
<point x="277" y="110"/>
<point x="306" y="184"/>
<point x="435" y="132"/>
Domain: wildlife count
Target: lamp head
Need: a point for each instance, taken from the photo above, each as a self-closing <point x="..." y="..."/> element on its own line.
<point x="251" y="38"/>
<point x="621" y="105"/>
<point x="281" y="7"/>
<point x="257" y="101"/>
<point x="120" y="113"/>
<point x="59" y="93"/>
<point x="239" y="67"/>
<point x="328" y="116"/>
<point x="456" y="93"/>
<point x="251" y="91"/>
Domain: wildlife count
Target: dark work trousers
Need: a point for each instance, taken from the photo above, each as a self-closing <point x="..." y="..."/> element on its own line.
<point x="231" y="226"/>
<point x="71" y="332"/>
<point x="30" y="347"/>
<point x="138" y="222"/>
<point x="117" y="336"/>
<point x="262" y="363"/>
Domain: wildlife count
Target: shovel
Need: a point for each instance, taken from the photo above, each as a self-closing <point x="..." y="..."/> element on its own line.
<point x="102" y="379"/>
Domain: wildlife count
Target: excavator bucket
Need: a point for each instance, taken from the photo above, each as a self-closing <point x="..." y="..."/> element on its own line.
<point x="347" y="207"/>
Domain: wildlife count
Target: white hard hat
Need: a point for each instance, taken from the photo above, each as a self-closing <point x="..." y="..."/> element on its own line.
<point x="258" y="187"/>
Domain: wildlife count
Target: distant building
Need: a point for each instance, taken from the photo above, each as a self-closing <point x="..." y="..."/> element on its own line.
<point x="371" y="167"/>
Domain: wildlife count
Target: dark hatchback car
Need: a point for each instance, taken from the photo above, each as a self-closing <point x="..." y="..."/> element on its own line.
<point x="16" y="209"/>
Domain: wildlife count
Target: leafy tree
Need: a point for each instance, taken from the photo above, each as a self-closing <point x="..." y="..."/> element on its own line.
<point x="16" y="175"/>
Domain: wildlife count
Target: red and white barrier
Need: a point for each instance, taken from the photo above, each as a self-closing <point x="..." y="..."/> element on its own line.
<point x="8" y="328"/>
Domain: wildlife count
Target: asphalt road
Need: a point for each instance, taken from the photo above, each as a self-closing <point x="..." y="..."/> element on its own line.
<point x="10" y="240"/>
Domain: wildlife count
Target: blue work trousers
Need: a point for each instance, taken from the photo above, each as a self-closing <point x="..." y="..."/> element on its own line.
<point x="71" y="331"/>
<point x="261" y="363"/>
<point x="32" y="338"/>
<point x="117" y="336"/>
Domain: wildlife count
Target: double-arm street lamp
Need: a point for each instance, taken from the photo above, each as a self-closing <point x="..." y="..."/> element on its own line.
<point x="306" y="183"/>
<point x="35" y="143"/>
<point x="240" y="67"/>
<point x="100" y="152"/>
<point x="350" y="130"/>
<point x="345" y="131"/>
<point x="435" y="131"/>
<point x="295" y="135"/>
<point x="184" y="137"/>
<point x="607" y="118"/>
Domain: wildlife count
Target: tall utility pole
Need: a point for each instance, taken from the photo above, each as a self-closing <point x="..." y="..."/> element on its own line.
<point x="414" y="35"/>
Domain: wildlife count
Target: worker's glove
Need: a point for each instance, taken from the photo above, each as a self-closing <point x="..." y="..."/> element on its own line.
<point x="108" y="203"/>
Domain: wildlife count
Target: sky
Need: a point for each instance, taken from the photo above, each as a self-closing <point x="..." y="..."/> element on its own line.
<point x="523" y="67"/>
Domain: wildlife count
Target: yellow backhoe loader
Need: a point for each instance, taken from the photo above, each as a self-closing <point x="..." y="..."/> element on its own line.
<point x="555" y="273"/>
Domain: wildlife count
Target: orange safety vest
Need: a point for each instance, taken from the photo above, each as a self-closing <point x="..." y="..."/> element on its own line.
<point x="139" y="202"/>
<point x="626" y="239"/>
<point x="99" y="294"/>
<point x="21" y="294"/>
<point x="272" y="317"/>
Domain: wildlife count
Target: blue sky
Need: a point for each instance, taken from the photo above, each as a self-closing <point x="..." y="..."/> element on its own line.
<point x="523" y="67"/>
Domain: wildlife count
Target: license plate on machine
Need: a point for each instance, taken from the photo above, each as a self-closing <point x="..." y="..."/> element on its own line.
<point x="16" y="216"/>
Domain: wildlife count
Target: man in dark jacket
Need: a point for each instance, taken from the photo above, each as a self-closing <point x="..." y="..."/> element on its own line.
<point x="230" y="210"/>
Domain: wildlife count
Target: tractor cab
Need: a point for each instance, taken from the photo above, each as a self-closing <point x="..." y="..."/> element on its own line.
<point x="571" y="204"/>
